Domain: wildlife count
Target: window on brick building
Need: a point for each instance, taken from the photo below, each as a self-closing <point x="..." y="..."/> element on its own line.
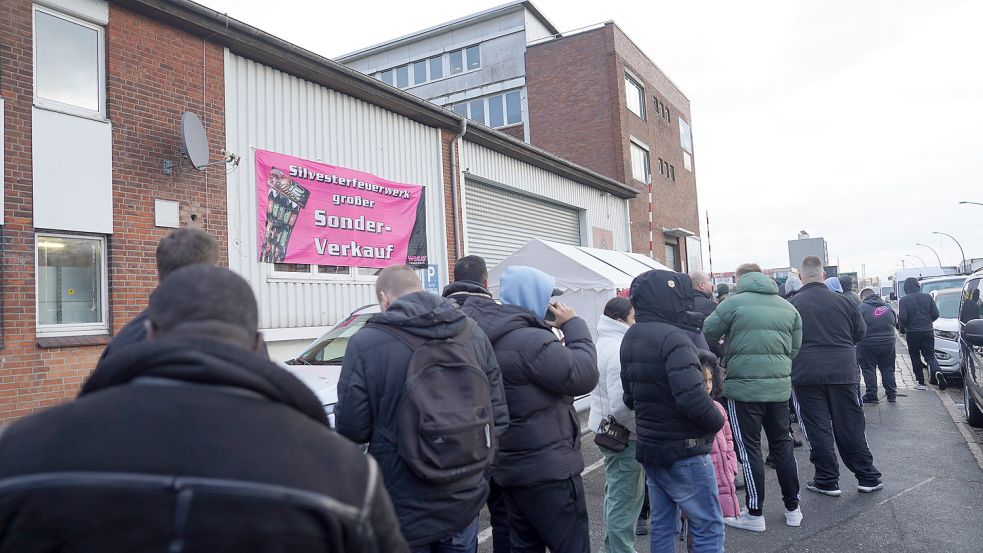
<point x="672" y="173"/>
<point x="71" y="285"/>
<point x="634" y="96"/>
<point x="69" y="62"/>
<point x="640" y="167"/>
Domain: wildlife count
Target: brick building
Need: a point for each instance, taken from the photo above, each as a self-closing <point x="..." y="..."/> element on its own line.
<point x="92" y="94"/>
<point x="591" y="96"/>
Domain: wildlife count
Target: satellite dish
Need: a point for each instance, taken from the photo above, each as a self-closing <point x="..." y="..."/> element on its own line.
<point x="193" y="140"/>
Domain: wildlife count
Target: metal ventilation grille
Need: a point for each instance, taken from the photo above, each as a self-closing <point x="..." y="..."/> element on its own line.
<point x="499" y="221"/>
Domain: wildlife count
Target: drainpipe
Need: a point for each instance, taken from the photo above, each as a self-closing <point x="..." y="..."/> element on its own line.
<point x="455" y="185"/>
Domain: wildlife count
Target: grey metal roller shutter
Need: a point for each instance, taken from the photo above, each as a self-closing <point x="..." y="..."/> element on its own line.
<point x="500" y="221"/>
<point x="672" y="256"/>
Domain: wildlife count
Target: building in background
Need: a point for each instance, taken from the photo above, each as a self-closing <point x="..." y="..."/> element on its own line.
<point x="591" y="96"/>
<point x="804" y="246"/>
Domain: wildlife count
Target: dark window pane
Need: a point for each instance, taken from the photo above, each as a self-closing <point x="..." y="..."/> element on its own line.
<point x="436" y="67"/>
<point x="457" y="61"/>
<point x="513" y="108"/>
<point x="474" y="57"/>
<point x="386" y="76"/>
<point x="291" y="268"/>
<point x="420" y="72"/>
<point x="478" y="110"/>
<point x="402" y="76"/>
<point x="332" y="270"/>
<point x="461" y="109"/>
<point x="496" y="112"/>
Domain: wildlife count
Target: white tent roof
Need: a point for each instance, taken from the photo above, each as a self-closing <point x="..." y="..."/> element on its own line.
<point x="578" y="267"/>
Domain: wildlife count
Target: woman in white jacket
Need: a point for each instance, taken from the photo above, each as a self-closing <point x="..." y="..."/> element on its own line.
<point x="624" y="488"/>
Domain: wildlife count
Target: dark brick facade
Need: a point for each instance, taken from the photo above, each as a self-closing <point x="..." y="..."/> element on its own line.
<point x="153" y="73"/>
<point x="577" y="110"/>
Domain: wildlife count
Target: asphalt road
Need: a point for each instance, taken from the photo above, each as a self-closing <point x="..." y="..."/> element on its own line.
<point x="932" y="499"/>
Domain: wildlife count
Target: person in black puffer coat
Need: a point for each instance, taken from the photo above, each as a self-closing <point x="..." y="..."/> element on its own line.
<point x="916" y="313"/>
<point x="675" y="417"/>
<point x="191" y="441"/>
<point x="539" y="457"/>
<point x="470" y="279"/>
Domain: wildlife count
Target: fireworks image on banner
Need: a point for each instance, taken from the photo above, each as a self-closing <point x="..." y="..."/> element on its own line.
<point x="284" y="201"/>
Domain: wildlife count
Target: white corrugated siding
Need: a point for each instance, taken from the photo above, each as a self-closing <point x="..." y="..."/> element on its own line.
<point x="599" y="209"/>
<point x="275" y="111"/>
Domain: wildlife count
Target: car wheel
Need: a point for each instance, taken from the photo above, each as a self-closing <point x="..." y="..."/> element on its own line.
<point x="973" y="414"/>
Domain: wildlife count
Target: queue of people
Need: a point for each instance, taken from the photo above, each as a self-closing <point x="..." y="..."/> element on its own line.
<point x="465" y="402"/>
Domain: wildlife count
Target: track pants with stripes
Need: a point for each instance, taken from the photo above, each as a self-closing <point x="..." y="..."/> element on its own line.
<point x="829" y="414"/>
<point x="747" y="419"/>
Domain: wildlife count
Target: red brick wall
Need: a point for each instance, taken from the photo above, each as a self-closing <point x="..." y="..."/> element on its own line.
<point x="446" y="143"/>
<point x="153" y="74"/>
<point x="515" y="131"/>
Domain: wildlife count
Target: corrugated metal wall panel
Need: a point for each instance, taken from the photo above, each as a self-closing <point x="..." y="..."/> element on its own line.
<point x="501" y="221"/>
<point x="600" y="209"/>
<point x="275" y="111"/>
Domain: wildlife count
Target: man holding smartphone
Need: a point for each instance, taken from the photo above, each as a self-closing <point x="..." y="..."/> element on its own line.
<point x="539" y="459"/>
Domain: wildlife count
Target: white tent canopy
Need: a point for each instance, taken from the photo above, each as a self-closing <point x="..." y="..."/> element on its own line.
<point x="589" y="277"/>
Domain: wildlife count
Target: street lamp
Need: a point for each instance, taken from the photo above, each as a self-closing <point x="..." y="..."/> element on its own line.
<point x="918" y="258"/>
<point x="961" y="252"/>
<point x="933" y="251"/>
<point x="973" y="203"/>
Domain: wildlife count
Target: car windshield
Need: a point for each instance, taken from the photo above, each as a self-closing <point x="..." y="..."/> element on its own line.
<point x="929" y="287"/>
<point x="948" y="305"/>
<point x="330" y="348"/>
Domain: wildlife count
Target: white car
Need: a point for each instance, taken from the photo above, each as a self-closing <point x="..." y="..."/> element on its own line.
<point x="946" y="328"/>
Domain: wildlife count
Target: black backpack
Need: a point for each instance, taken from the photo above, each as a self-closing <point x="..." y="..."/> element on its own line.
<point x="446" y="424"/>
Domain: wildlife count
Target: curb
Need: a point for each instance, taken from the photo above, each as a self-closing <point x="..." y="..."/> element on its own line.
<point x="957" y="417"/>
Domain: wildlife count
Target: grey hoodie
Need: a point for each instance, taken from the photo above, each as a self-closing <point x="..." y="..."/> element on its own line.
<point x="880" y="320"/>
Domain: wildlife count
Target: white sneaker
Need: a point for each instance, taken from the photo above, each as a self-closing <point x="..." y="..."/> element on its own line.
<point x="920" y="387"/>
<point x="794" y="518"/>
<point x="746" y="522"/>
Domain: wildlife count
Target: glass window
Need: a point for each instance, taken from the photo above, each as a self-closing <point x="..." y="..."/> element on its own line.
<point x="640" y="164"/>
<point x="672" y="173"/>
<point x="474" y="57"/>
<point x="333" y="270"/>
<point x="970" y="308"/>
<point x="513" y="108"/>
<point x="635" y="97"/>
<point x="948" y="304"/>
<point x="436" y="67"/>
<point x="420" y="72"/>
<point x="330" y="348"/>
<point x="68" y="61"/>
<point x="71" y="280"/>
<point x="687" y="161"/>
<point x="461" y="109"/>
<point x="496" y="112"/>
<point x="478" y="110"/>
<point x="402" y="76"/>
<point x="457" y="61"/>
<point x="291" y="268"/>
<point x="368" y="271"/>
<point x="685" y="136"/>
<point x="386" y="76"/>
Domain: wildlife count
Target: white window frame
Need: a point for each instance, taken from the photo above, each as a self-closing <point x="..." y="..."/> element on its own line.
<point x="648" y="157"/>
<point x="84" y="329"/>
<point x="312" y="275"/>
<point x="487" y="108"/>
<point x="445" y="66"/>
<point x="54" y="105"/>
<point x="637" y="85"/>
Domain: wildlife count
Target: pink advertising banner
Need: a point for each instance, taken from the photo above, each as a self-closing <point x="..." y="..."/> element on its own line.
<point x="318" y="214"/>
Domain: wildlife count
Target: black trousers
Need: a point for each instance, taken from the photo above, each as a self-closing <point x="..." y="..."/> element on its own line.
<point x="550" y="515"/>
<point x="922" y="344"/>
<point x="833" y="413"/>
<point x="499" y="511"/>
<point x="746" y="421"/>
<point x="878" y="357"/>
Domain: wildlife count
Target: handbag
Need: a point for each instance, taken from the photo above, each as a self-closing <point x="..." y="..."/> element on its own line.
<point x="612" y="435"/>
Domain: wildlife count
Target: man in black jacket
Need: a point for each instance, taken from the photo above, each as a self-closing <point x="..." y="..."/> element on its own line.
<point x="191" y="440"/>
<point x="826" y="384"/>
<point x="917" y="312"/>
<point x="180" y="248"/>
<point x="434" y="517"/>
<point x="539" y="459"/>
<point x="876" y="350"/>
<point x="471" y="280"/>
<point x="675" y="417"/>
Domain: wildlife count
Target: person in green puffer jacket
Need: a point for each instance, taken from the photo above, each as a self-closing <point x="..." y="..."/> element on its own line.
<point x="763" y="333"/>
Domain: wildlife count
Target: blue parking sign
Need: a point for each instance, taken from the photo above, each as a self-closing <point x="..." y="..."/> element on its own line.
<point x="432" y="279"/>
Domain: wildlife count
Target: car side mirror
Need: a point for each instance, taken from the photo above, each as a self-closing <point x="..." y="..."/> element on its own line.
<point x="894" y="296"/>
<point x="973" y="332"/>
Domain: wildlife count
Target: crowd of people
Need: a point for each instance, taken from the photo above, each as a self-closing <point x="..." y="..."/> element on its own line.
<point x="187" y="437"/>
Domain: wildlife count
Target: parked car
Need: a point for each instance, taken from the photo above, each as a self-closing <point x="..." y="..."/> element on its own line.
<point x="971" y="340"/>
<point x="946" y="327"/>
<point x="932" y="284"/>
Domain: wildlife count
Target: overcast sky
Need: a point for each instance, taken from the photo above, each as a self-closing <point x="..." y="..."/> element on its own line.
<point x="857" y="121"/>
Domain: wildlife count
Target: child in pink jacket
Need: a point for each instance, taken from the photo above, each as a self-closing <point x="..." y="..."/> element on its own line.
<point x="722" y="454"/>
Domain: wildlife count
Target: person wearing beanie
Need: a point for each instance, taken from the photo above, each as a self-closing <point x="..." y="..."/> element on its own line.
<point x="723" y="290"/>
<point x="847" y="283"/>
<point x="916" y="313"/>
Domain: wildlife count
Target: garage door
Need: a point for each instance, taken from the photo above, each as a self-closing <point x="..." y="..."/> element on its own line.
<point x="500" y="221"/>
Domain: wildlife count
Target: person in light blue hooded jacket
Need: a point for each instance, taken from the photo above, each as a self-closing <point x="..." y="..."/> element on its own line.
<point x="833" y="284"/>
<point x="539" y="458"/>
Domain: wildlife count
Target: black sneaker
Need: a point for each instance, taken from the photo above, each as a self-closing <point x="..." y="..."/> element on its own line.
<point x="770" y="461"/>
<point x="642" y="527"/>
<point x="870" y="487"/>
<point x="940" y="380"/>
<point x="796" y="443"/>
<point x="892" y="399"/>
<point x="832" y="490"/>
<point x="871" y="401"/>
